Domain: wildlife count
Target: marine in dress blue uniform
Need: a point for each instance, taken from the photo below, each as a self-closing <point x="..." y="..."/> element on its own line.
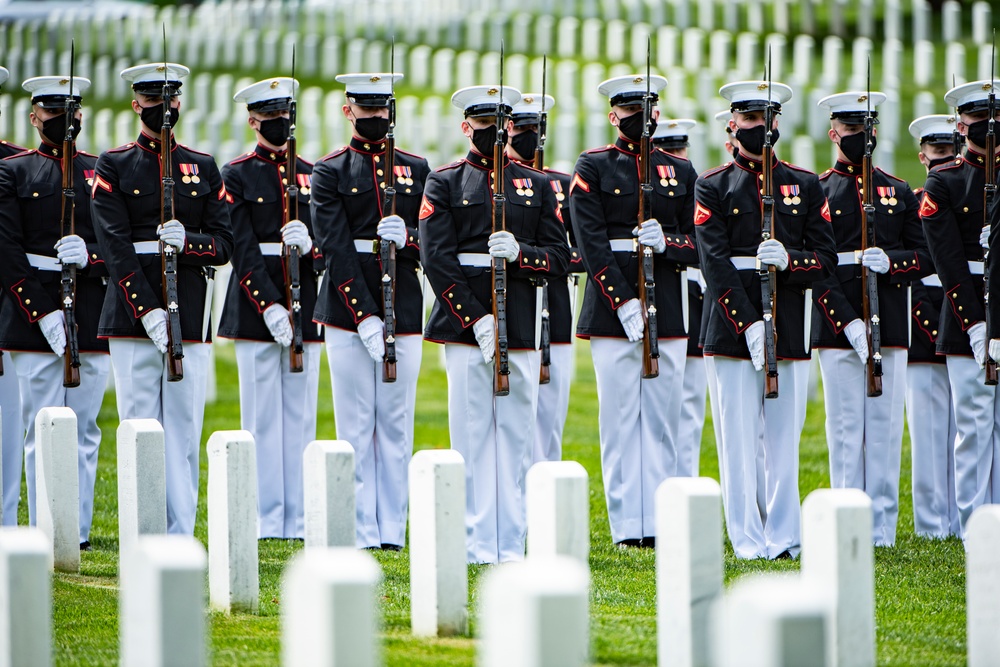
<point x="951" y="208"/>
<point x="728" y="224"/>
<point x="553" y="397"/>
<point x="126" y="211"/>
<point x="672" y="136"/>
<point x="865" y="434"/>
<point x="376" y="417"/>
<point x="276" y="405"/>
<point x="33" y="249"/>
<point x="930" y="414"/>
<point x="10" y="395"/>
<point x="494" y="434"/>
<point x="638" y="417"/>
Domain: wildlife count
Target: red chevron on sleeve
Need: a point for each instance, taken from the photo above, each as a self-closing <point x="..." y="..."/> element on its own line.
<point x="927" y="206"/>
<point x="701" y="213"/>
<point x="426" y="209"/>
<point x="100" y="183"/>
<point x="577" y="181"/>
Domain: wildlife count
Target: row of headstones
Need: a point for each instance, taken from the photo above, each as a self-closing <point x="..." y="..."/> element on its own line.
<point x="728" y="56"/>
<point x="532" y="613"/>
<point x="526" y="25"/>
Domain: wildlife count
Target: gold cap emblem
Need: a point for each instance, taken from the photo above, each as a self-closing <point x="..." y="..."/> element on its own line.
<point x="862" y="98"/>
<point x="375" y="79"/>
<point x="528" y="100"/>
<point x="275" y="84"/>
<point x="63" y="82"/>
<point x="637" y="79"/>
<point x="761" y="86"/>
<point x="988" y="85"/>
<point x="161" y="68"/>
<point x="492" y="91"/>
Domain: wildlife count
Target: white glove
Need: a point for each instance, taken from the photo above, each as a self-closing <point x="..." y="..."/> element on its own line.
<point x="172" y="233"/>
<point x="504" y="245"/>
<point x="755" y="343"/>
<point x="155" y="322"/>
<point x="54" y="329"/>
<point x="72" y="250"/>
<point x="995" y="349"/>
<point x="977" y="338"/>
<point x="630" y="314"/>
<point x="651" y="234"/>
<point x="392" y="228"/>
<point x="857" y="335"/>
<point x="297" y="234"/>
<point x="276" y="319"/>
<point x="372" y="335"/>
<point x="984" y="237"/>
<point x="773" y="253"/>
<point x="875" y="259"/>
<point x="486" y="335"/>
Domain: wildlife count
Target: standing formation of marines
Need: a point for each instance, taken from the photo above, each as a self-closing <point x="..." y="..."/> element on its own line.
<point x="755" y="263"/>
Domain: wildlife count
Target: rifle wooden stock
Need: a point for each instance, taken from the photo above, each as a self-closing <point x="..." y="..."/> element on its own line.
<point x="768" y="274"/>
<point x="869" y="295"/>
<point x="647" y="283"/>
<point x="71" y="356"/>
<point x="989" y="194"/>
<point x="168" y="254"/>
<point x="545" y="341"/>
<point x="501" y="358"/>
<point x="290" y="254"/>
<point x="387" y="253"/>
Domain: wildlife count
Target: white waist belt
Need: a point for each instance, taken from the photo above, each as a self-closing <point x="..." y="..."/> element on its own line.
<point x="851" y="257"/>
<point x="147" y="247"/>
<point x="694" y="275"/>
<point x="480" y="259"/>
<point x="364" y="245"/>
<point x="43" y="263"/>
<point x="744" y="263"/>
<point x="623" y="245"/>
<point x="976" y="268"/>
<point x="270" y="249"/>
<point x="932" y="280"/>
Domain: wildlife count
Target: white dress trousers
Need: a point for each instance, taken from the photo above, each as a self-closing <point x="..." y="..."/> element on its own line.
<point x="931" y="419"/>
<point x="377" y="419"/>
<point x="495" y="435"/>
<point x="759" y="431"/>
<point x="13" y="439"/>
<point x="279" y="408"/>
<point x="692" y="417"/>
<point x="865" y="435"/>
<point x="143" y="392"/>
<point x="638" y="428"/>
<point x="977" y="420"/>
<point x="41" y="378"/>
<point x="553" y="404"/>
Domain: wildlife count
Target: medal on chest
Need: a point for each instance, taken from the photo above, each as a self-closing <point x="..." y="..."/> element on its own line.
<point x="404" y="175"/>
<point x="887" y="196"/>
<point x="190" y="173"/>
<point x="305" y="183"/>
<point x="558" y="189"/>
<point x="522" y="186"/>
<point x="668" y="175"/>
<point x="790" y="194"/>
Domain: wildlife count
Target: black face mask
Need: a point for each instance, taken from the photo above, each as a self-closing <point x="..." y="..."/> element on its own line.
<point x="632" y="126"/>
<point x="54" y="129"/>
<point x="853" y="146"/>
<point x="372" y="129"/>
<point x="275" y="130"/>
<point x="525" y="144"/>
<point x="978" y="130"/>
<point x="485" y="139"/>
<point x="752" y="139"/>
<point x="940" y="160"/>
<point x="152" y="117"/>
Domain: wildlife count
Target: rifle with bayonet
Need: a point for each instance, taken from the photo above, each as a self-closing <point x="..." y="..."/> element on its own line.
<point x="768" y="274"/>
<point x="501" y="358"/>
<point x="869" y="297"/>
<point x="168" y="254"/>
<point x="989" y="194"/>
<point x="291" y="256"/>
<point x="387" y="249"/>
<point x="67" y="227"/>
<point x="647" y="284"/>
<point x="545" y="345"/>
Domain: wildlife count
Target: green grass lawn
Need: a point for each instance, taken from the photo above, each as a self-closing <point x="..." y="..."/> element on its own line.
<point x="920" y="589"/>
